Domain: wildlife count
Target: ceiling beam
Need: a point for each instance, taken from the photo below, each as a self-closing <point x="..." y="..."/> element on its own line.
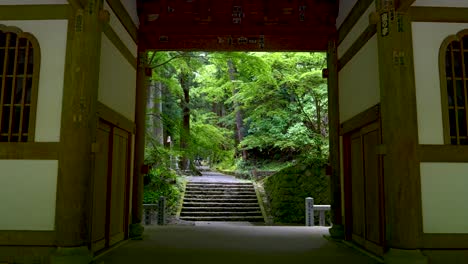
<point x="403" y="5"/>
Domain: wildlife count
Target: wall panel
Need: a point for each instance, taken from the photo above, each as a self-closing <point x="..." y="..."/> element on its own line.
<point x="427" y="38"/>
<point x="444" y="197"/>
<point x="27" y="194"/>
<point x="359" y="82"/>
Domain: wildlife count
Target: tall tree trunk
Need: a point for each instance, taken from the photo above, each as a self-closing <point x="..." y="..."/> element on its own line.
<point x="239" y="118"/>
<point x="154" y="106"/>
<point x="184" y="79"/>
<point x="158" y="123"/>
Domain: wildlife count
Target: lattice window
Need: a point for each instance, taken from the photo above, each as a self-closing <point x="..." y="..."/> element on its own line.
<point x="19" y="67"/>
<point x="455" y="89"/>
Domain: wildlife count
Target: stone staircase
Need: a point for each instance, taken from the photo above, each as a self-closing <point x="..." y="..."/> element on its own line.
<point x="221" y="201"/>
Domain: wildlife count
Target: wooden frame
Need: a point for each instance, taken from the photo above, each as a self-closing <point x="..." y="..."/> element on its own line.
<point x="29" y="150"/>
<point x="34" y="12"/>
<point x="31" y="42"/>
<point x="118" y="43"/>
<point x="124" y="18"/>
<point x="366" y="122"/>
<point x="27" y="238"/>
<point x="445" y="241"/>
<point x="358" y="10"/>
<point x="439" y="14"/>
<point x="357" y="45"/>
<point x="114" y="118"/>
<point x="443" y="153"/>
<point x="367" y="116"/>
<point x="443" y="85"/>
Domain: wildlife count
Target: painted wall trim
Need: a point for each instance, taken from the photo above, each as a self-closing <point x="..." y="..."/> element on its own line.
<point x="443" y="153"/>
<point x="358" y="10"/>
<point x="27" y="238"/>
<point x="368" y="116"/>
<point x="115" y="118"/>
<point x="29" y="150"/>
<point x="357" y="45"/>
<point x="118" y="43"/>
<point x="124" y="18"/>
<point x="445" y="241"/>
<point x="34" y="12"/>
<point x="439" y="14"/>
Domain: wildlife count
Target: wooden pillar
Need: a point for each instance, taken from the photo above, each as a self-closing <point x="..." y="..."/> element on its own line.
<point x="334" y="140"/>
<point x="78" y="125"/>
<point x="140" y="120"/>
<point x="399" y="129"/>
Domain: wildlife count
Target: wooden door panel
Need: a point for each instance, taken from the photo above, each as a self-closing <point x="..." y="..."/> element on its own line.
<point x="357" y="185"/>
<point x="119" y="173"/>
<point x="100" y="187"/>
<point x="372" y="189"/>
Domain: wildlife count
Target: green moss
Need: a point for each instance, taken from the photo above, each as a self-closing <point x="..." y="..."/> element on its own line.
<point x="288" y="188"/>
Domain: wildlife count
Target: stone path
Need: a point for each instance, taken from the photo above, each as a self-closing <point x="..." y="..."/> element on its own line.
<point x="211" y="176"/>
<point x="228" y="244"/>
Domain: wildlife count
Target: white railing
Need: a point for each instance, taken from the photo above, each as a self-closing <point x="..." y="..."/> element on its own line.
<point x="310" y="212"/>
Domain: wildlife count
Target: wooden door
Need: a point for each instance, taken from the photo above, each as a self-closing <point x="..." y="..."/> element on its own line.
<point x="364" y="188"/>
<point x="111" y="186"/>
<point x="120" y="152"/>
<point x="100" y="190"/>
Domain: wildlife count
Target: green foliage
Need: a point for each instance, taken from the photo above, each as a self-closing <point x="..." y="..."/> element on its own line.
<point x="163" y="182"/>
<point x="288" y="188"/>
<point x="281" y="95"/>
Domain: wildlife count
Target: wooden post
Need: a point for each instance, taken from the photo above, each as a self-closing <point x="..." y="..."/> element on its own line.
<point x="136" y="229"/>
<point x="78" y="126"/>
<point x="334" y="143"/>
<point x="399" y="130"/>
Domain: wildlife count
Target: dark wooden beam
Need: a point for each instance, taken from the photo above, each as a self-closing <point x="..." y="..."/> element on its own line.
<point x="399" y="134"/>
<point x="124" y="17"/>
<point x="78" y="127"/>
<point x="353" y="17"/>
<point x="29" y="150"/>
<point x="439" y="14"/>
<point x="360" y="120"/>
<point x="212" y="43"/>
<point x="357" y="46"/>
<point x="403" y="5"/>
<point x="443" y="153"/>
<point x="139" y="159"/>
<point x="334" y="140"/>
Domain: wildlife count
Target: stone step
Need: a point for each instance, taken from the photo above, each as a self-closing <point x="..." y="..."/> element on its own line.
<point x="221" y="196"/>
<point x="214" y="204"/>
<point x="217" y="192"/>
<point x="221" y="200"/>
<point x="221" y="209"/>
<point x="220" y="185"/>
<point x="221" y="213"/>
<point x="220" y="189"/>
<point x="224" y="218"/>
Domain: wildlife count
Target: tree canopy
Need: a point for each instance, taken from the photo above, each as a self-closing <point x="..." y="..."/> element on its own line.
<point x="249" y="105"/>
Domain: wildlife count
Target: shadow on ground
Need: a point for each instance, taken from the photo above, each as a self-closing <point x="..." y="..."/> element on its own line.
<point x="239" y="244"/>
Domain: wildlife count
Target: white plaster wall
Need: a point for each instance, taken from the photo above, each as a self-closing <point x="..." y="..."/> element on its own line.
<point x="445" y="3"/>
<point x="444" y="197"/>
<point x="356" y="31"/>
<point x="33" y="2"/>
<point x="359" y="82"/>
<point x="345" y="9"/>
<point x="131" y="7"/>
<point x="117" y="80"/>
<point x="427" y="38"/>
<point x="27" y="194"/>
<point x="52" y="38"/>
<point x="121" y="31"/>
